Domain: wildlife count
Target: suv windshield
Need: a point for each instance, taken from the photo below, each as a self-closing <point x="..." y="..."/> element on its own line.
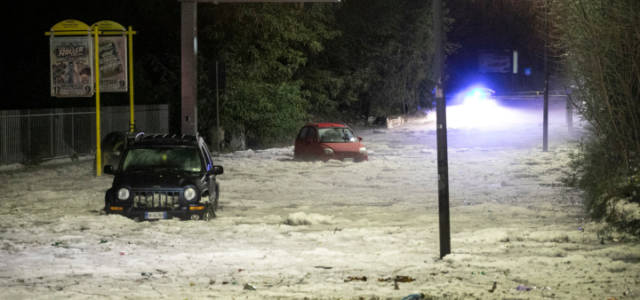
<point x="336" y="135"/>
<point x="180" y="159"/>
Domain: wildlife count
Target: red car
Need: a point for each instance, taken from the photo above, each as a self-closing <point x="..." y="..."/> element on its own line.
<point x="324" y="141"/>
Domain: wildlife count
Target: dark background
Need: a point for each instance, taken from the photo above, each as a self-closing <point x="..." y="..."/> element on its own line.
<point x="477" y="26"/>
<point x="25" y="67"/>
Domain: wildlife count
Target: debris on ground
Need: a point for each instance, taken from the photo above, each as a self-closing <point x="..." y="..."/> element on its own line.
<point x="61" y="244"/>
<point x="418" y="296"/>
<point x="547" y="293"/>
<point x="403" y="279"/>
<point x="323" y="267"/>
<point x="161" y="271"/>
<point x="523" y="288"/>
<point x="249" y="287"/>
<point x="355" y="278"/>
<point x="399" y="278"/>
<point x="493" y="287"/>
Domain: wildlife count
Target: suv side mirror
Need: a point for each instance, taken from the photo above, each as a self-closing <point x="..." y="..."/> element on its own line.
<point x="217" y="170"/>
<point x="360" y="139"/>
<point x="108" y="170"/>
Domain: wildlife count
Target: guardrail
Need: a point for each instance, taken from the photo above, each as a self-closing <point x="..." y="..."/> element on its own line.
<point x="531" y="94"/>
<point x="40" y="134"/>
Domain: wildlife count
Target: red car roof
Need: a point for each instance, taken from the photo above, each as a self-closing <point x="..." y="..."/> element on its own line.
<point x="325" y="125"/>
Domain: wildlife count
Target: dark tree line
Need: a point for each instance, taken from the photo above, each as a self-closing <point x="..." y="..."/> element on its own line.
<point x="286" y="64"/>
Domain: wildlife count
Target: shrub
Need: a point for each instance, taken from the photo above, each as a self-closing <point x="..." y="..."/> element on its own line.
<point x="600" y="43"/>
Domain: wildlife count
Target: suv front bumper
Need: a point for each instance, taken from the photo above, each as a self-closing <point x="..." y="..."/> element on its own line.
<point x="191" y="212"/>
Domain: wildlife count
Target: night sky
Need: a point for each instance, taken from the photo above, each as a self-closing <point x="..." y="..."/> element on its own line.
<point x="26" y="74"/>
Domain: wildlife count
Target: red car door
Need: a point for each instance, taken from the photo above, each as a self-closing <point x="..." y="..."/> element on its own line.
<point x="303" y="142"/>
<point x="314" y="148"/>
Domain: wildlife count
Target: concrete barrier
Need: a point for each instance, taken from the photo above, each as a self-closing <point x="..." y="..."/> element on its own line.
<point x="393" y="122"/>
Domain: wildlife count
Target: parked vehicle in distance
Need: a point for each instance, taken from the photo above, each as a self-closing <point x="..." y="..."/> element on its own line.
<point x="324" y="141"/>
<point x="162" y="177"/>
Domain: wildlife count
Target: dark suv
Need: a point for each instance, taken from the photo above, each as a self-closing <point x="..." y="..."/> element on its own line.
<point x="164" y="176"/>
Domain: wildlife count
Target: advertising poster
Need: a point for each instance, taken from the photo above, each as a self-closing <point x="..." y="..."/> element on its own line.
<point x="71" y="66"/>
<point x="494" y="63"/>
<point x="113" y="64"/>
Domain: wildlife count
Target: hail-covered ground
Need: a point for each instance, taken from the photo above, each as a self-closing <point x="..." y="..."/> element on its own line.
<point x="334" y="230"/>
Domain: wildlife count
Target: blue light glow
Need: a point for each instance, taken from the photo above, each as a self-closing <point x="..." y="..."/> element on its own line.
<point x="474" y="95"/>
<point x="475" y="108"/>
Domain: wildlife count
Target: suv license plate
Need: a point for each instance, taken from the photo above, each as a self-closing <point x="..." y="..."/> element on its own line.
<point x="155" y="215"/>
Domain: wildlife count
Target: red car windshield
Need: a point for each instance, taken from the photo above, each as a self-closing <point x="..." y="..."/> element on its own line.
<point x="336" y="135"/>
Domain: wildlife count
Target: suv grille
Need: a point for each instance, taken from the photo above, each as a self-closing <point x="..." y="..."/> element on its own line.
<point x="156" y="199"/>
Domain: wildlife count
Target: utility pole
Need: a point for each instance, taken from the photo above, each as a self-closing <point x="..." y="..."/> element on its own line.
<point x="545" y="114"/>
<point x="189" y="66"/>
<point x="218" y="135"/>
<point x="441" y="130"/>
<point x="569" y="115"/>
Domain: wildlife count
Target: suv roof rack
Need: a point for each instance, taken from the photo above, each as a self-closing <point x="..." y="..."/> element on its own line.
<point x="161" y="139"/>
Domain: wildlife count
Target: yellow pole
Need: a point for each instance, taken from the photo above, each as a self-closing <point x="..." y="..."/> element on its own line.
<point x="97" y="77"/>
<point x="132" y="122"/>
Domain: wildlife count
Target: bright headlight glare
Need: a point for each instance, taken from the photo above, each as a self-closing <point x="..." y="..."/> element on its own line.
<point x="363" y="150"/>
<point x="328" y="151"/>
<point x="189" y="194"/>
<point x="123" y="194"/>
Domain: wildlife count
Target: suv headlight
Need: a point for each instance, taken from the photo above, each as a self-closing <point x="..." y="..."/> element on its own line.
<point x="328" y="151"/>
<point x="363" y="150"/>
<point x="123" y="193"/>
<point x="190" y="193"/>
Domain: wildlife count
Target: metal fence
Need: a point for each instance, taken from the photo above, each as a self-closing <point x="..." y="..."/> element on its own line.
<point x="40" y="134"/>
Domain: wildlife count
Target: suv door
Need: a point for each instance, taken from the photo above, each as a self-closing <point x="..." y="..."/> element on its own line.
<point x="208" y="161"/>
<point x="211" y="177"/>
